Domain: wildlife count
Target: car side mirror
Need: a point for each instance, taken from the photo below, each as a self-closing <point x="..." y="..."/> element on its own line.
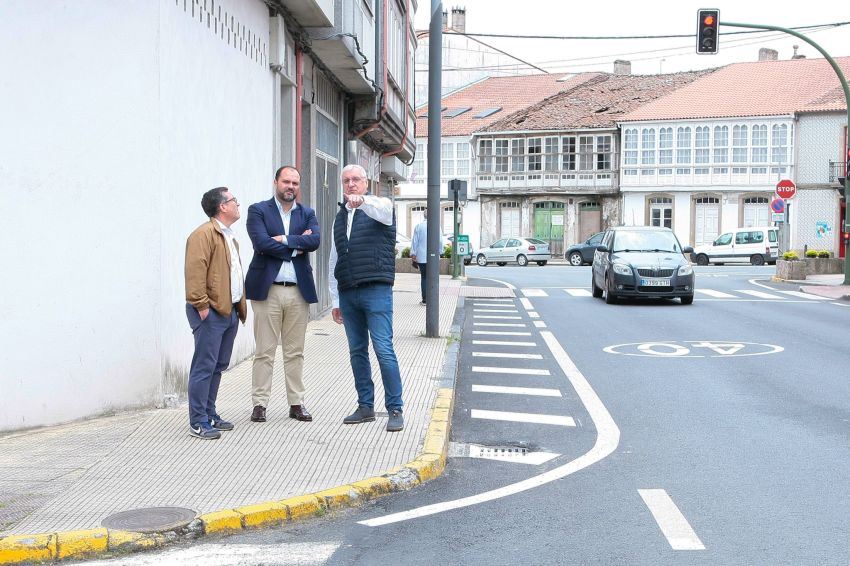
<point x="601" y="248"/>
<point x="687" y="250"/>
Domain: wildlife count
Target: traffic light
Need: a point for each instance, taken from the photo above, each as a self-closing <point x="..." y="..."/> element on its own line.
<point x="707" y="31"/>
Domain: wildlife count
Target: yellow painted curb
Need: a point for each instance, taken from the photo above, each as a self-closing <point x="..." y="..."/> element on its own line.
<point x="263" y="514"/>
<point x="126" y="541"/>
<point x="374" y="487"/>
<point x="20" y="548"/>
<point x="342" y="496"/>
<point x="428" y="466"/>
<point x="221" y="521"/>
<point x="81" y="543"/>
<point x="303" y="506"/>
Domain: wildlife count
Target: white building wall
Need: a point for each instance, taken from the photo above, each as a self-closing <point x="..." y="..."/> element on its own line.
<point x="120" y="116"/>
<point x="821" y="141"/>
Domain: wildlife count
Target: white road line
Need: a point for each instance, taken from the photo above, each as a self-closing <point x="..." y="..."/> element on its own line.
<point x="495" y="310"/>
<point x="526" y="304"/>
<point x="497" y="333"/>
<point x="533" y="314"/>
<point x="578" y="292"/>
<point x="491" y="317"/>
<point x="506" y="355"/>
<point x="759" y="294"/>
<point x="805" y="296"/>
<point x="497" y="343"/>
<point x="534" y="293"/>
<point x="522" y="417"/>
<point x="537" y="391"/>
<point x="670" y="520"/>
<point x="607" y="440"/>
<point x="539" y="324"/>
<point x="713" y="293"/>
<point x="506" y="324"/>
<point x="514" y="371"/>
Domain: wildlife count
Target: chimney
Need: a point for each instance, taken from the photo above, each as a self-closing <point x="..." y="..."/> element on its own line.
<point x="767" y="54"/>
<point x="622" y="67"/>
<point x="795" y="56"/>
<point x="459" y="20"/>
<point x="445" y="20"/>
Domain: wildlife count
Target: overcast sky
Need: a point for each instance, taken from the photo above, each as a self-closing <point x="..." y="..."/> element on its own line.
<point x="645" y="17"/>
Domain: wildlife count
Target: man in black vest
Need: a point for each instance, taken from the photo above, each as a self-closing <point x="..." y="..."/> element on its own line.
<point x="362" y="267"/>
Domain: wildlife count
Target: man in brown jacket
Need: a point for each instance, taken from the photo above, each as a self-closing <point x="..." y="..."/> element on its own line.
<point x="215" y="302"/>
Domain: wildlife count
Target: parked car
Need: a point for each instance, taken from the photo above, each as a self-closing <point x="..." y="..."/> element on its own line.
<point x="401" y="243"/>
<point x="519" y="250"/>
<point x="467" y="258"/>
<point x="580" y="254"/>
<point x="754" y="245"/>
<point x="642" y="261"/>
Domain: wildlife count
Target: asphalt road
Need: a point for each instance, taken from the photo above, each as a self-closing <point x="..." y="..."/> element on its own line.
<point x="714" y="433"/>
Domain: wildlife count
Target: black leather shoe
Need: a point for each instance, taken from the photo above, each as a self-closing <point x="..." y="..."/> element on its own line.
<point x="300" y="412"/>
<point x="259" y="414"/>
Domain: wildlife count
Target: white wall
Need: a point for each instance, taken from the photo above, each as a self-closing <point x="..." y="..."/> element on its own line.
<point x="119" y="117"/>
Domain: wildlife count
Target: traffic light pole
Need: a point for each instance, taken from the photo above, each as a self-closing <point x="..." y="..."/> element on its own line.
<point x="844" y="86"/>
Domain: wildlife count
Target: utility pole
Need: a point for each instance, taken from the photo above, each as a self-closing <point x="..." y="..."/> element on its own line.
<point x="435" y="70"/>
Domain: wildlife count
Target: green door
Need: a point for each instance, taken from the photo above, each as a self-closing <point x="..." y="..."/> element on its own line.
<point x="549" y="225"/>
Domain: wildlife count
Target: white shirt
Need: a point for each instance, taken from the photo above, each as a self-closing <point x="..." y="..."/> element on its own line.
<point x="235" y="264"/>
<point x="287" y="270"/>
<point x="377" y="208"/>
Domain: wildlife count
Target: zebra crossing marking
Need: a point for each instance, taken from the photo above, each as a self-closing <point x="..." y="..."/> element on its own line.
<point x="522" y="417"/>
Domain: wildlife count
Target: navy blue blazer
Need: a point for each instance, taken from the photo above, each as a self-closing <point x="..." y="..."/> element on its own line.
<point x="264" y="221"/>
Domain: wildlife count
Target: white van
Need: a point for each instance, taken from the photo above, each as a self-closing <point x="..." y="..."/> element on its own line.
<point x="757" y="245"/>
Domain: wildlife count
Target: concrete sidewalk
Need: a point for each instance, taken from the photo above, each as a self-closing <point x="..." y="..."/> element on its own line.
<point x="829" y="286"/>
<point x="63" y="481"/>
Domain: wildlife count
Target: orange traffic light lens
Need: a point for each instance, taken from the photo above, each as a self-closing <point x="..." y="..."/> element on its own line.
<point x="708" y="20"/>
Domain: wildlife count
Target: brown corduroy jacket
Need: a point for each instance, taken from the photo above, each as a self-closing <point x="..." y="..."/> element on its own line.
<point x="208" y="271"/>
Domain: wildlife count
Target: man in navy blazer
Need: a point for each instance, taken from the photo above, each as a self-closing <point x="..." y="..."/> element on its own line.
<point x="280" y="287"/>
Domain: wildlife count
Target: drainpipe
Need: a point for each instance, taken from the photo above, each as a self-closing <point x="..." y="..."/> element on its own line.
<point x="299" y="93"/>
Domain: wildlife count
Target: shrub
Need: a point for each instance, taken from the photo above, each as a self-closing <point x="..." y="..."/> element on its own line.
<point x="811" y="253"/>
<point x="405" y="252"/>
<point x="790" y="256"/>
<point x="823" y="253"/>
<point x="447" y="251"/>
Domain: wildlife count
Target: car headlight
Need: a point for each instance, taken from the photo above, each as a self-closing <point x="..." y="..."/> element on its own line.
<point x="622" y="269"/>
<point x="685" y="270"/>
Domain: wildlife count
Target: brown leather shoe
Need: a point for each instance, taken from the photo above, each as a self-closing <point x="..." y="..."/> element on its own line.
<point x="299" y="412"/>
<point x="259" y="414"/>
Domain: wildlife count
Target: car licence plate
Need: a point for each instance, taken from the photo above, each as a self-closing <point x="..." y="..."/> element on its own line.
<point x="655" y="282"/>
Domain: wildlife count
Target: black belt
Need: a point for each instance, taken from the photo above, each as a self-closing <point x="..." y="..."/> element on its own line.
<point x="285" y="283"/>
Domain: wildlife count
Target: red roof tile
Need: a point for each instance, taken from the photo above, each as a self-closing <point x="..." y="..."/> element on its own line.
<point x="763" y="88"/>
<point x="509" y="93"/>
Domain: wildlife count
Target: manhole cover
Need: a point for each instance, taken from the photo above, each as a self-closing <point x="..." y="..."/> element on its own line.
<point x="150" y="520"/>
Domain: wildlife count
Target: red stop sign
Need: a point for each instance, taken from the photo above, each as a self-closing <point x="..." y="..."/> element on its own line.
<point x="786" y="189"/>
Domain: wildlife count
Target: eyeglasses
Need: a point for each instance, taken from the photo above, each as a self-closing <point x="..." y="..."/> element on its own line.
<point x="231" y="200"/>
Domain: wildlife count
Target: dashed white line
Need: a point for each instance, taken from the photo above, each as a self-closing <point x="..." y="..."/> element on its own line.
<point x="534" y="293"/>
<point x="533" y="314"/>
<point x="522" y="417"/>
<point x="805" y="296"/>
<point x="534" y="391"/>
<point x="670" y="520"/>
<point x="759" y="294"/>
<point x="713" y="293"/>
<point x="497" y="333"/>
<point x="505" y="324"/>
<point x="495" y="310"/>
<point x="498" y="343"/>
<point x="487" y="316"/>
<point x="578" y="292"/>
<point x="513" y="371"/>
<point x="526" y="304"/>
<point x="507" y="355"/>
<point x="539" y="323"/>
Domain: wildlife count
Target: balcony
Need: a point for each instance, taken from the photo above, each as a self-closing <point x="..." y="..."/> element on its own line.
<point x="837" y="172"/>
<point x="537" y="182"/>
<point x="347" y="47"/>
<point x="309" y="13"/>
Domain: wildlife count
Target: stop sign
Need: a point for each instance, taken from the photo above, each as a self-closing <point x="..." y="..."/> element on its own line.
<point x="786" y="189"/>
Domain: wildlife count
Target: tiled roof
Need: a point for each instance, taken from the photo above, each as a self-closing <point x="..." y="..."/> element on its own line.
<point x="763" y="88"/>
<point x="596" y="103"/>
<point x="509" y="93"/>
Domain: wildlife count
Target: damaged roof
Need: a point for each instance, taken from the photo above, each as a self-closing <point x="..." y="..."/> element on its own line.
<point x="599" y="102"/>
<point x="508" y="94"/>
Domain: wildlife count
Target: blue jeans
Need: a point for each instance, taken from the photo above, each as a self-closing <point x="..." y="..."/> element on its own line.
<point x="214" y="339"/>
<point x="368" y="311"/>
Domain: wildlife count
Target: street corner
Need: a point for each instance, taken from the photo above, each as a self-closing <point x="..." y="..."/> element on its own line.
<point x="15" y="549"/>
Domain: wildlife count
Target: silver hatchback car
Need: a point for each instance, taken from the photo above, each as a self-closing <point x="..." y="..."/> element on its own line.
<point x="519" y="250"/>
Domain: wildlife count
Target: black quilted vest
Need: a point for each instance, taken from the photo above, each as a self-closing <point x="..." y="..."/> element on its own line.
<point x="369" y="256"/>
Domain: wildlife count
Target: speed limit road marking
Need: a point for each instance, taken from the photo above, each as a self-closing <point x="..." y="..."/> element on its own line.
<point x="694" y="349"/>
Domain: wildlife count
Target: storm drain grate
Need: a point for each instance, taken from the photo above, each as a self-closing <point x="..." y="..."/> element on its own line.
<point x="150" y="519"/>
<point x="516" y="454"/>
